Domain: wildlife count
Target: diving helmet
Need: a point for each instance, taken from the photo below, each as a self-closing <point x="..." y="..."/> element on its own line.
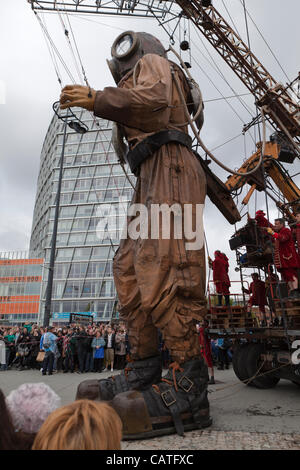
<point x="128" y="48"/>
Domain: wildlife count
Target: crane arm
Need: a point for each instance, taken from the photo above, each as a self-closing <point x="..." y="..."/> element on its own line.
<point x="281" y="110"/>
<point x="273" y="170"/>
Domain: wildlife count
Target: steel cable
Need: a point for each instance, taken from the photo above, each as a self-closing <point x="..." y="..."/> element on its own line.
<point x="196" y="133"/>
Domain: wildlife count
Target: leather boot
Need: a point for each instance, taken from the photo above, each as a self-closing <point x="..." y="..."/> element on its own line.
<point x="137" y="375"/>
<point x="177" y="403"/>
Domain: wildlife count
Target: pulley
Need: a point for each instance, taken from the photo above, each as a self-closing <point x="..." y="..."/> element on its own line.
<point x="184" y="45"/>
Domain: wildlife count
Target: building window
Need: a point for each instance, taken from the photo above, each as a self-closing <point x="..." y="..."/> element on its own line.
<point x="67" y="211"/>
<point x="58" y="288"/>
<point x="73" y="289"/>
<point x="82" y="253"/>
<point x="84" y="211"/>
<point x="78" y="270"/>
<point x="90" y="289"/>
<point x="102" y="252"/>
<point x="106" y="289"/>
<point x="95" y="269"/>
<point x="64" y="254"/>
<point x="61" y="270"/>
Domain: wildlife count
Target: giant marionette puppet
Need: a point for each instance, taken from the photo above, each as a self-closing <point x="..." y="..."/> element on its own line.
<point x="160" y="283"/>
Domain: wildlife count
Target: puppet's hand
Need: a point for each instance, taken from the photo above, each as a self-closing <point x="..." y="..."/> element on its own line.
<point x="77" y="95"/>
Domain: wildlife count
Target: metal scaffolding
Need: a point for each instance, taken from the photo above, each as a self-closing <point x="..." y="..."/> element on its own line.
<point x="138" y="8"/>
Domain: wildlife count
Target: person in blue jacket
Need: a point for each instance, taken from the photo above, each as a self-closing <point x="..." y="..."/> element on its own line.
<point x="48" y="344"/>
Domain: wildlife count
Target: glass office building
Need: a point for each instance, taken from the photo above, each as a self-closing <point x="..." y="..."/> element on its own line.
<point x="90" y="217"/>
<point x="20" y="287"/>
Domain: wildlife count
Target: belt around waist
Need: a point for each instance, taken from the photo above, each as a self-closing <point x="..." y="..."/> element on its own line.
<point x="148" y="146"/>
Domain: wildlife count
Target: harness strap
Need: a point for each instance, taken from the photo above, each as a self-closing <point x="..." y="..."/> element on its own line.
<point x="151" y="144"/>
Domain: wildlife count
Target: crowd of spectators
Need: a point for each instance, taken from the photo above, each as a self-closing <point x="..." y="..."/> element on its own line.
<point x="78" y="348"/>
<point x="70" y="348"/>
<point x="32" y="418"/>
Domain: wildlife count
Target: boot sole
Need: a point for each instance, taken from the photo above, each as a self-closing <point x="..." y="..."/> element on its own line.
<point x="188" y="426"/>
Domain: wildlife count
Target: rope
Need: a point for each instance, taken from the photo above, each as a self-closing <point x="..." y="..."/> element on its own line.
<point x="87" y="83"/>
<point x="275" y="117"/>
<point x="47" y="35"/>
<point x="285" y="130"/>
<point x="200" y="107"/>
<point x="214" y="85"/>
<point x="231" y="18"/>
<point x="218" y="70"/>
<point x="72" y="78"/>
<point x="54" y="62"/>
<point x="266" y="192"/>
<point x="75" y="43"/>
<point x="196" y="133"/>
<point x="247" y="381"/>
<point x="66" y="33"/>
<point x="258" y="30"/>
<point x="221" y="145"/>
<point x="209" y="268"/>
<point x="247" y="28"/>
<point x="127" y="176"/>
<point x="273" y="258"/>
<point x="86" y="80"/>
<point x="227" y="97"/>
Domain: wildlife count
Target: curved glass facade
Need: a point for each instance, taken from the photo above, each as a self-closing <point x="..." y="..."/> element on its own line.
<point x="93" y="185"/>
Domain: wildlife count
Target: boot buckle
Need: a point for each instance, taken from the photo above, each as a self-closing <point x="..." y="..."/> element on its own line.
<point x="168" y="398"/>
<point x="185" y="383"/>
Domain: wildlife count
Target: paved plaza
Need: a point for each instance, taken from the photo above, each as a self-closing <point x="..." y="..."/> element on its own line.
<point x="243" y="417"/>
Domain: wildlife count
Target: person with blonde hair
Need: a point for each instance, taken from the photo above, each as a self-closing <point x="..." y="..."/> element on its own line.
<point x="82" y="425"/>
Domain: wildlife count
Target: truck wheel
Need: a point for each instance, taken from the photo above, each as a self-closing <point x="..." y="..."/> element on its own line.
<point x="239" y="361"/>
<point x="253" y="364"/>
<point x="235" y="359"/>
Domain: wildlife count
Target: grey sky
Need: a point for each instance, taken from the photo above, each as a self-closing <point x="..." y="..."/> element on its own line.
<point x="31" y="88"/>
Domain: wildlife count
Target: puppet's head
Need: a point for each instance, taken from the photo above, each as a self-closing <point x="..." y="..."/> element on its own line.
<point x="129" y="48"/>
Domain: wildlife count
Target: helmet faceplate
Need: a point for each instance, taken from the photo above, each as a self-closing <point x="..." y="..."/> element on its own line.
<point x="128" y="48"/>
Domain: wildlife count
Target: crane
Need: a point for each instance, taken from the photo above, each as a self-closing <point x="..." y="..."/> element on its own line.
<point x="275" y="152"/>
<point x="281" y="110"/>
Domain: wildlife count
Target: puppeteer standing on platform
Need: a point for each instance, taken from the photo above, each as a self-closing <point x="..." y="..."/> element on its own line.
<point x="220" y="267"/>
<point x="160" y="283"/>
<point x="287" y="260"/>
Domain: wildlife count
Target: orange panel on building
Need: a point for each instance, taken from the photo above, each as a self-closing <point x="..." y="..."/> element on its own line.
<point x="7" y="262"/>
<point x="21" y="279"/>
<point x="20" y="287"/>
<point x="19" y="307"/>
